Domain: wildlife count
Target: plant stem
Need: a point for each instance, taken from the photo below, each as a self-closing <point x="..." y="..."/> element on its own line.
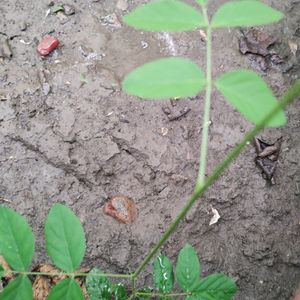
<point x="127" y="276"/>
<point x="288" y="97"/>
<point x="206" y="115"/>
<point x="162" y="295"/>
<point x="133" y="285"/>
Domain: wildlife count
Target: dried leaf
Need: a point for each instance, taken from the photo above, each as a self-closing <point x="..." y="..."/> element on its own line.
<point x="122" y="209"/>
<point x="81" y="280"/>
<point x="85" y="292"/>
<point x="202" y="35"/>
<point x="256" y="42"/>
<point x="215" y="217"/>
<point x="257" y="62"/>
<point x="267" y="156"/>
<point x="6" y="267"/>
<point x="43" y="284"/>
<point x="46" y="268"/>
<point x="293" y="47"/>
<point x="83" y="287"/>
<point x="267" y="166"/>
<point x="41" y="288"/>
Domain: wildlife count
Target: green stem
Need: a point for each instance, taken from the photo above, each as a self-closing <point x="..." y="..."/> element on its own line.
<point x="162" y="295"/>
<point x="133" y="285"/>
<point x="288" y="97"/>
<point x="206" y="115"/>
<point x="127" y="276"/>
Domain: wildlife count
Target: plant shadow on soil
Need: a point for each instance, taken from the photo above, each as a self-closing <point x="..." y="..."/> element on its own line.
<point x="86" y="141"/>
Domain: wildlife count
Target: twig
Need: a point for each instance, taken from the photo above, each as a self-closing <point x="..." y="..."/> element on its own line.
<point x="5" y="200"/>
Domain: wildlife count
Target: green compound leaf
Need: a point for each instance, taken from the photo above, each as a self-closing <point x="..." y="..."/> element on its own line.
<point x="67" y="289"/>
<point x="188" y="269"/>
<point x="16" y="239"/>
<point x="18" y="289"/>
<point x="65" y="241"/>
<point x="98" y="287"/>
<point x="214" y="287"/>
<point x="245" y="13"/>
<point x="165" y="78"/>
<point x="165" y="15"/>
<point x="163" y="274"/>
<point x="120" y="292"/>
<point x="250" y="95"/>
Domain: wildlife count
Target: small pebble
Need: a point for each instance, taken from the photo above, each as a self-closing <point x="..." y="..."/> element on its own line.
<point x="164" y="131"/>
<point x="3" y="97"/>
<point x="144" y="44"/>
<point x="69" y="10"/>
<point x="111" y="21"/>
<point x="122" y="4"/>
<point x="23" y="26"/>
<point x="166" y="110"/>
<point x="46" y="88"/>
<point x="47" y="45"/>
<point x="5" y="50"/>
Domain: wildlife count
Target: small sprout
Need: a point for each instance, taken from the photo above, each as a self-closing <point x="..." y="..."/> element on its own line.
<point x="59" y="7"/>
<point x="83" y="79"/>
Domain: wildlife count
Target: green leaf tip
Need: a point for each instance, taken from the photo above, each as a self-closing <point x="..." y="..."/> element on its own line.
<point x="98" y="287"/>
<point x="19" y="288"/>
<point x="245" y="13"/>
<point x="67" y="289"/>
<point x="165" y="15"/>
<point x="163" y="275"/>
<point x="65" y="239"/>
<point x="16" y="239"/>
<point x="215" y="287"/>
<point x="188" y="268"/>
<point x="250" y="95"/>
<point x="165" y="78"/>
<point x="119" y="292"/>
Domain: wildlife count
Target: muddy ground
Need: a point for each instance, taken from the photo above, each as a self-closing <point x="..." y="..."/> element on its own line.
<point x="84" y="140"/>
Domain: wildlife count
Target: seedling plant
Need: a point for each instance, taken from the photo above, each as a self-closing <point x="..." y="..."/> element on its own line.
<point x="161" y="79"/>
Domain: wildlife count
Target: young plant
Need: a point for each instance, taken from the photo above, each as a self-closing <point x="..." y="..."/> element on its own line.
<point x="164" y="78"/>
<point x="65" y="245"/>
<point x="180" y="77"/>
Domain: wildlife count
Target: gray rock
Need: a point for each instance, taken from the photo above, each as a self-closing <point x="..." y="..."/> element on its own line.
<point x="69" y="10"/>
<point x="5" y="50"/>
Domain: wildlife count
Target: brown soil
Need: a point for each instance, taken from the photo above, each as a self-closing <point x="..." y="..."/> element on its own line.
<point x="86" y="141"/>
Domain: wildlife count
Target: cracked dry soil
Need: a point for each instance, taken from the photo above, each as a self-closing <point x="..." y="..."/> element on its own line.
<point x="84" y="140"/>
